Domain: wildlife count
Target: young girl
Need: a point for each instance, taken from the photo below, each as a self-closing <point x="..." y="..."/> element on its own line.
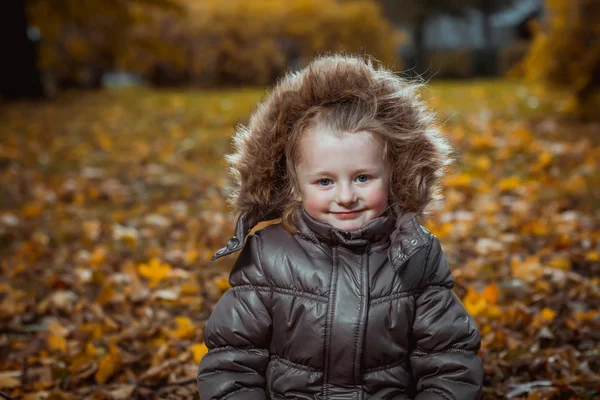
<point x="348" y="297"/>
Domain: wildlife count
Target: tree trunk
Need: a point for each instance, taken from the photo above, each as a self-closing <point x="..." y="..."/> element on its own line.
<point x="19" y="74"/>
<point x="486" y="28"/>
<point x="421" y="57"/>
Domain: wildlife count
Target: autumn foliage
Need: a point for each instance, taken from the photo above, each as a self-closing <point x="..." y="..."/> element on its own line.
<point x="566" y="54"/>
<point x="113" y="202"/>
<point x="206" y="42"/>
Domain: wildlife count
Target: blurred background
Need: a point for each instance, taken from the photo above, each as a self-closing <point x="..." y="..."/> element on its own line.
<point x="203" y="43"/>
<point x="114" y="119"/>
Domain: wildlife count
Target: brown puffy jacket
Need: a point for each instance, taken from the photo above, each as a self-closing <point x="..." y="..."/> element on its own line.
<point x="329" y="314"/>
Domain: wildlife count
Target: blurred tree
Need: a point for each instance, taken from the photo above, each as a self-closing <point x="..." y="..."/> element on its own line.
<point x="84" y="38"/>
<point x="241" y="42"/>
<point x="208" y="42"/>
<point x="19" y="74"/>
<point x="565" y="54"/>
<point x="415" y="14"/>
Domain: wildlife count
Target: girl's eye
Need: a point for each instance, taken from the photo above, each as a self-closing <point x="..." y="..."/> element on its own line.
<point x="325" y="182"/>
<point x="362" y="178"/>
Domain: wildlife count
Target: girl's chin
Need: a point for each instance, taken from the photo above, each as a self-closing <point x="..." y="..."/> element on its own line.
<point x="349" y="225"/>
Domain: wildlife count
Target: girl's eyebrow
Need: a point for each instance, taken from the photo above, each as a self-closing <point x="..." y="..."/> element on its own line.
<point x="317" y="173"/>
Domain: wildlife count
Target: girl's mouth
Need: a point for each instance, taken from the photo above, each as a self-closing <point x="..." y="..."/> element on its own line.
<point x="347" y="215"/>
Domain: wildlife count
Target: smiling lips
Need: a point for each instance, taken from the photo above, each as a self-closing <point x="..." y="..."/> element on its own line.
<point x="347" y="215"/>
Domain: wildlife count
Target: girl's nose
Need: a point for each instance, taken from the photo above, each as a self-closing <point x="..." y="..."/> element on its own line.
<point x="345" y="194"/>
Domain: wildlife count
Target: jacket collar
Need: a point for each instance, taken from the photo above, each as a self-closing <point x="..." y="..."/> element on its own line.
<point x="375" y="232"/>
<point x="407" y="236"/>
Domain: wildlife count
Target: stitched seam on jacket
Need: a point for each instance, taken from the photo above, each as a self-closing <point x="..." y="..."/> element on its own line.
<point x="394" y="296"/>
<point x="328" y="321"/>
<point x="232" y="348"/>
<point x="389" y="297"/>
<point x="427" y="353"/>
<point x="228" y="395"/>
<point x="434" y="287"/>
<point x="431" y="237"/>
<point x="387" y="366"/>
<point x="360" y="313"/>
<point x="442" y="393"/>
<point x="290" y="292"/>
<point x="292" y="364"/>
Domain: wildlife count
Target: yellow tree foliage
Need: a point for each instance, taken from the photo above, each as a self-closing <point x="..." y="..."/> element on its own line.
<point x="566" y="52"/>
<point x="212" y="42"/>
<point x="243" y="42"/>
<point x="83" y="38"/>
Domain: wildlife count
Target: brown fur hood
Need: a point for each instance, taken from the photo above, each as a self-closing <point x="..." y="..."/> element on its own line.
<point x="258" y="166"/>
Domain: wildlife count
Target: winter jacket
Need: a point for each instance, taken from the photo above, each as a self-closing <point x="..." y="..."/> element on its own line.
<point x="332" y="314"/>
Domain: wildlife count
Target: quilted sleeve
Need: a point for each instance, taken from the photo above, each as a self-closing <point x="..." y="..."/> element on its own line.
<point x="238" y="333"/>
<point x="445" y="361"/>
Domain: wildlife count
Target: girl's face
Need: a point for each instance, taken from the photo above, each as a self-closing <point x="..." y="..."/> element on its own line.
<point x="343" y="178"/>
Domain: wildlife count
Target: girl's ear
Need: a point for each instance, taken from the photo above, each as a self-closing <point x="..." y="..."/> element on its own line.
<point x="297" y="196"/>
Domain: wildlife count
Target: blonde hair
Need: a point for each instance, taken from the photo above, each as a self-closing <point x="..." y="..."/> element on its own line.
<point x="348" y="94"/>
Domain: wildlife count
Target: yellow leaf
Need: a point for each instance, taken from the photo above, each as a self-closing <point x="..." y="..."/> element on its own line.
<point x="155" y="271"/>
<point x="510" y="183"/>
<point x="482" y="141"/>
<point x="32" y="210"/>
<point x="548" y="314"/>
<point x="462" y="179"/>
<point x="592" y="255"/>
<point x="529" y="269"/>
<point x="106" y="367"/>
<point x="474" y="303"/>
<point x="483" y="163"/>
<point x="222" y="283"/>
<point x="98" y="256"/>
<point x="198" y="350"/>
<point x="575" y="184"/>
<point x="524" y="135"/>
<point x="442" y="230"/>
<point x="191" y="256"/>
<point x="190" y="288"/>
<point x="105" y="142"/>
<point x="185" y="328"/>
<point x="586" y="316"/>
<point x="490" y="294"/>
<point x="544" y="159"/>
<point x="91" y="350"/>
<point x="561" y="263"/>
<point x="56" y="339"/>
<point x="95" y="329"/>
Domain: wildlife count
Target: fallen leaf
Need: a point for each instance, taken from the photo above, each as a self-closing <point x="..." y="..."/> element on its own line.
<point x="198" y="350"/>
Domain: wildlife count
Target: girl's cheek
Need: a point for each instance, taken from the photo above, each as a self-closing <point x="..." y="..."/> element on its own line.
<point x="313" y="200"/>
<point x="378" y="197"/>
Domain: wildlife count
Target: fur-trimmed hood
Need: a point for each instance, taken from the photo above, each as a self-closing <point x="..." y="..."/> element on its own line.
<point x="258" y="163"/>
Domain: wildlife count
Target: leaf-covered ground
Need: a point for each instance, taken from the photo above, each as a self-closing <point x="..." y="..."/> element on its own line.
<point x="111" y="204"/>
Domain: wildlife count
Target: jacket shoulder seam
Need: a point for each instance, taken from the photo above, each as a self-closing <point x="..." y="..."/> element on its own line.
<point x="259" y="252"/>
<point x="431" y="239"/>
